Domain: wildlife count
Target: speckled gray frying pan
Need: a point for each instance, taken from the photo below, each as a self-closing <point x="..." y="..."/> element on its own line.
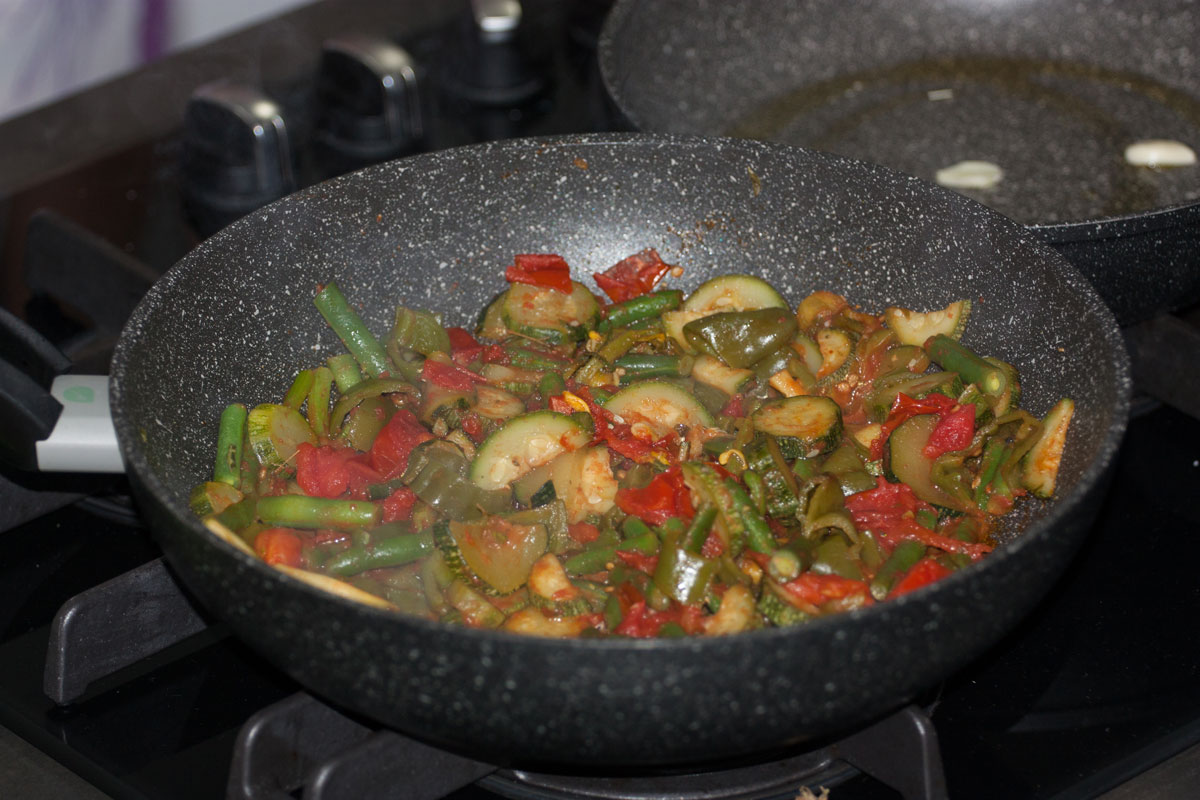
<point x="235" y="320"/>
<point x="1052" y="91"/>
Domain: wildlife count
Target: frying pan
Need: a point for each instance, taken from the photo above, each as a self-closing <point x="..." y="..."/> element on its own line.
<point x="1052" y="91"/>
<point x="234" y="321"/>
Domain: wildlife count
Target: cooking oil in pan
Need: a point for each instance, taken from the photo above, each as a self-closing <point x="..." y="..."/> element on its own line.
<point x="1055" y="130"/>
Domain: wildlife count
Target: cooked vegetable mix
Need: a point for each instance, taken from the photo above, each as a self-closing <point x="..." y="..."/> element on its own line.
<point x="657" y="465"/>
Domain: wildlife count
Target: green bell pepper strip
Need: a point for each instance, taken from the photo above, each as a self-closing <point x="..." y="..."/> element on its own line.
<point x="740" y="338"/>
<point x="419" y="331"/>
<point x="636" y="309"/>
<point x="298" y="511"/>
<point x="904" y="555"/>
<point x="318" y="400"/>
<point x="365" y="421"/>
<point x="231" y="434"/>
<point x="391" y="552"/>
<point x="437" y="474"/>
<point x="371" y="387"/>
<point x="551" y="384"/>
<point x="298" y="392"/>
<point x="351" y="329"/>
<point x="697" y="533"/>
<point x="834" y="557"/>
<point x="681" y="574"/>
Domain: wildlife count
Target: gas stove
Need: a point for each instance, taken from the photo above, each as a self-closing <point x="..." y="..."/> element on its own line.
<point x="114" y="683"/>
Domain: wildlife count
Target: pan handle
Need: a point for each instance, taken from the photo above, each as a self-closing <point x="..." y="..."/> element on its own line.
<point x="50" y="420"/>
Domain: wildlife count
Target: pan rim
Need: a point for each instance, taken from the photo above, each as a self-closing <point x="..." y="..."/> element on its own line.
<point x="176" y="506"/>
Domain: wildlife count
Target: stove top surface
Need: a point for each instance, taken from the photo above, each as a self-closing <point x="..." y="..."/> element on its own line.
<point x="1099" y="685"/>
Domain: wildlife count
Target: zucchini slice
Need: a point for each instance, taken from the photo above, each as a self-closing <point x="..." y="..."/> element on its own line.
<point x="809" y="352"/>
<point x="813" y="420"/>
<point x="914" y="327"/>
<point x="837" y="354"/>
<point x="660" y="405"/>
<point x="552" y="590"/>
<point x="212" y="497"/>
<point x="733" y="293"/>
<point x="906" y="462"/>
<point x="493" y="402"/>
<point x="497" y="552"/>
<point x="550" y="315"/>
<point x="523" y="443"/>
<point x="275" y="432"/>
<point x="476" y="610"/>
<point x="491" y="323"/>
<point x="711" y="371"/>
<point x="584" y="481"/>
<point x="817" y="305"/>
<point x="1040" y="466"/>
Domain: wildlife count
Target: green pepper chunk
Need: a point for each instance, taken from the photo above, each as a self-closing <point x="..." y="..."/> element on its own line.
<point x="740" y="338"/>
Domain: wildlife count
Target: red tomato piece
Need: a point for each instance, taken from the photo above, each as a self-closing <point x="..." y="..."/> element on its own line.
<point x="890" y="498"/>
<point x="540" y="269"/>
<point x="463" y="347"/>
<point x="819" y="589"/>
<point x="905" y="407"/>
<point x="639" y="561"/>
<point x="583" y="532"/>
<point x="332" y="471"/>
<point x="633" y="276"/>
<point x="450" y="376"/>
<point x="399" y="504"/>
<point x="923" y="573"/>
<point x="392" y="446"/>
<point x="664" y="497"/>
<point x="954" y="431"/>
<point x="279" y="546"/>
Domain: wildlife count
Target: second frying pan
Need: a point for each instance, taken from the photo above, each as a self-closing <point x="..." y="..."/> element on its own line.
<point x="1051" y="91"/>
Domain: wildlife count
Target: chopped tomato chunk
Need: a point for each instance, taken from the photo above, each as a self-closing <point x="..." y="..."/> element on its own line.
<point x="279" y="546"/>
<point x="540" y="269"/>
<point x="393" y="444"/>
<point x="633" y="276"/>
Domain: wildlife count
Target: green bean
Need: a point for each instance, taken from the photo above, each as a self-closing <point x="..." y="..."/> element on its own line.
<point x="298" y="511"/>
<point x="640" y="308"/>
<point x="527" y="358"/>
<point x="230" y="436"/>
<point x="646" y="365"/>
<point x="953" y="356"/>
<point x="351" y="329"/>
<point x="391" y="552"/>
<point x="346" y="374"/>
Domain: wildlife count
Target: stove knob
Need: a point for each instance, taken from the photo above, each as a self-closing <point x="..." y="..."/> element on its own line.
<point x="370" y="103"/>
<point x="237" y="155"/>
<point x="491" y="63"/>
